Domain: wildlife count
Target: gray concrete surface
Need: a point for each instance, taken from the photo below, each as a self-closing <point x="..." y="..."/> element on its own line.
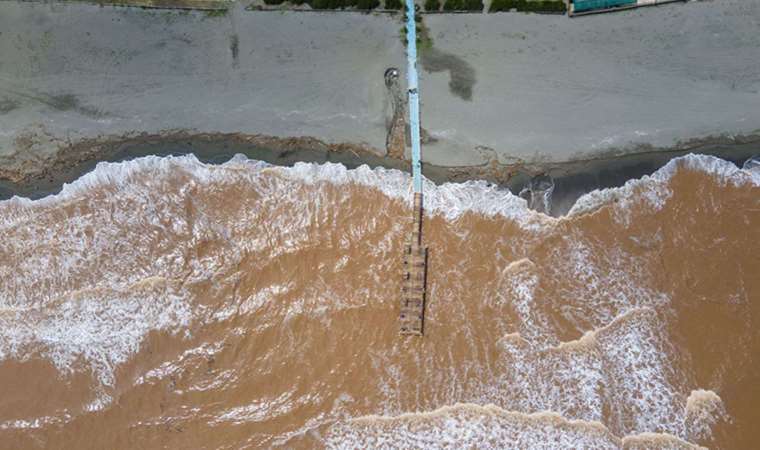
<point x="72" y="71"/>
<point x="525" y="87"/>
<point x="550" y="88"/>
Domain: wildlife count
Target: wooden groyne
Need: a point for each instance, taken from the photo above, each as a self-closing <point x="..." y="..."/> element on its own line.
<point x="413" y="288"/>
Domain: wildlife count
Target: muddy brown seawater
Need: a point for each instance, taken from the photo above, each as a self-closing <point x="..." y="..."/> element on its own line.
<point x="168" y="303"/>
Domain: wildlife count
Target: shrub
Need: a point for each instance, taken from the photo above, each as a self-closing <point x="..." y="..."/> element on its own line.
<point x="453" y="5"/>
<point x="473" y="5"/>
<point x="368" y="4"/>
<point x="528" y="6"/>
<point x="432" y="5"/>
<point x="332" y="4"/>
<point x="555" y="6"/>
<point x="393" y="4"/>
<point x="274" y="2"/>
<point x="500" y="5"/>
<point x="216" y="12"/>
<point x="546" y="6"/>
<point x="319" y="4"/>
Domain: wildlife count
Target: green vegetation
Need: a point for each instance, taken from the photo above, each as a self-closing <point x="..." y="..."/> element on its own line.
<point x="463" y="5"/>
<point x="216" y="13"/>
<point x="332" y="4"/>
<point x="367" y="4"/>
<point x="394" y="4"/>
<point x="453" y="5"/>
<point x="424" y="41"/>
<point x="557" y="6"/>
<point x="500" y="5"/>
<point x="432" y="5"/>
<point x="473" y="5"/>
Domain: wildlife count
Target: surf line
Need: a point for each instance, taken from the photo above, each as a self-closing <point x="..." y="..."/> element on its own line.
<point x="413" y="290"/>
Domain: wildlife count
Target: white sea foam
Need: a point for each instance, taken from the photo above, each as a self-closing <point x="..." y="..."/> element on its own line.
<point x="260" y="410"/>
<point x="102" y="326"/>
<point x="653" y="189"/>
<point x="703" y="410"/>
<point x="37" y="422"/>
<point x="172" y="368"/>
<point x="486" y="427"/>
<point x="91" y="278"/>
<point x="518" y="287"/>
<point x="752" y="164"/>
<point x="622" y="373"/>
<point x="448" y="199"/>
<point x="469" y="426"/>
<point x="604" y="282"/>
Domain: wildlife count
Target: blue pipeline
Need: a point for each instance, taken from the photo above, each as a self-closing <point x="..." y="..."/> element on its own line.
<point x="414" y="97"/>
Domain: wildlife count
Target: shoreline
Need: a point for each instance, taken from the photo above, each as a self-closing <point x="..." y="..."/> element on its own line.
<point x="572" y="178"/>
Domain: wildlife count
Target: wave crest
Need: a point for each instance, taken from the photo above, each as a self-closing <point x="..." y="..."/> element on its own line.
<point x="475" y="426"/>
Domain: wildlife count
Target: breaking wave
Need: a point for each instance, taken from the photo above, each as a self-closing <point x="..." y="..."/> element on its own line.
<point x="488" y="427"/>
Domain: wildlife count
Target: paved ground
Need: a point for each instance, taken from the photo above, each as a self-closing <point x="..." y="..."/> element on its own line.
<point x="554" y="88"/>
<point x="70" y="71"/>
<point x="522" y="87"/>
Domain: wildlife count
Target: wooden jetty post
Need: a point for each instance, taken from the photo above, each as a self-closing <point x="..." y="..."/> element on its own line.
<point x="413" y="288"/>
